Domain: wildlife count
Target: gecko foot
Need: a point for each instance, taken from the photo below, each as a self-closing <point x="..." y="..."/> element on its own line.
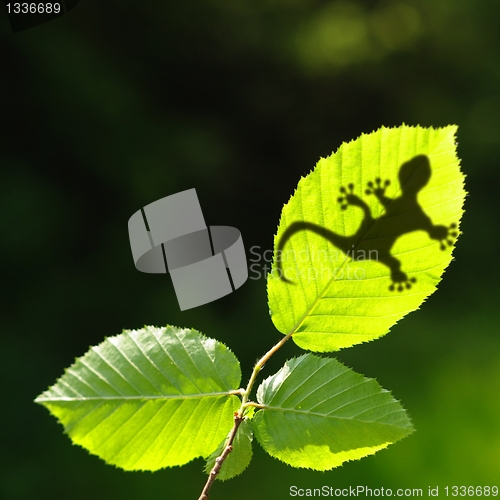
<point x="445" y="235"/>
<point x="347" y="197"/>
<point x="377" y="188"/>
<point x="452" y="233"/>
<point x="400" y="282"/>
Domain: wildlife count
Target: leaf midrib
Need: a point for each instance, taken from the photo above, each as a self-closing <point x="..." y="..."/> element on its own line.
<point x="325" y="415"/>
<point x="132" y="398"/>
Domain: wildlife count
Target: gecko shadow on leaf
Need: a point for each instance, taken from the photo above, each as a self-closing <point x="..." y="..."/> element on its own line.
<point x="401" y="215"/>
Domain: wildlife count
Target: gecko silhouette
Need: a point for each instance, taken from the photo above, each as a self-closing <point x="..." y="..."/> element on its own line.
<point x="401" y="215"/>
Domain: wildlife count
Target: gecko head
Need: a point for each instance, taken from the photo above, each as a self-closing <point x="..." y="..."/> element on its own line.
<point x="414" y="174"/>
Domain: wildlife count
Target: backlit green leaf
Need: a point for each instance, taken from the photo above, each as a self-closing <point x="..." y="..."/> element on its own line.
<point x="317" y="414"/>
<point x="366" y="237"/>
<point x="148" y="398"/>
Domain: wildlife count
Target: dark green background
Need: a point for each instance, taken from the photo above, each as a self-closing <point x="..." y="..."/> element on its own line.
<point x="117" y="104"/>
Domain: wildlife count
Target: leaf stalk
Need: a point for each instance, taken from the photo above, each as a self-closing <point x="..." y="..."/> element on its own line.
<point x="239" y="415"/>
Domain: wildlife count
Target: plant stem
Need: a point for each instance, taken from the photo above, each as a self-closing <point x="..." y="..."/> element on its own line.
<point x="220" y="460"/>
<point x="238" y="417"/>
<point x="257" y="368"/>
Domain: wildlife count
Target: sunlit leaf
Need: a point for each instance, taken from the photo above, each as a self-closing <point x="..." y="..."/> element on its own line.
<point x="317" y="414"/>
<point x="148" y="398"/>
<point x="366" y="237"/>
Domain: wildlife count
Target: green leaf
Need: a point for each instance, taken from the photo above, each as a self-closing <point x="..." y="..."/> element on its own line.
<point x="366" y="237"/>
<point x="148" y="398"/>
<point x="317" y="414"/>
<point x="239" y="458"/>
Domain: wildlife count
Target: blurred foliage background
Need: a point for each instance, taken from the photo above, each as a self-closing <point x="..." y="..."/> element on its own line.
<point x="117" y="104"/>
